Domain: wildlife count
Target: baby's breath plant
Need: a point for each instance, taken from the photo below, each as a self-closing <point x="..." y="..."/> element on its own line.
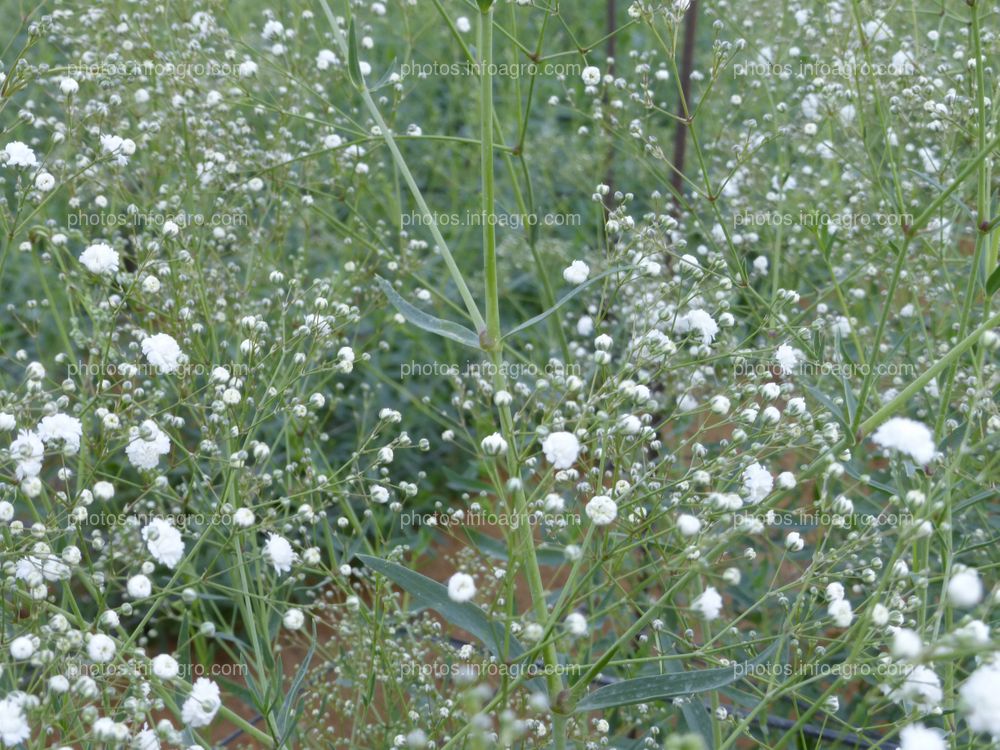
<point x="458" y="375"/>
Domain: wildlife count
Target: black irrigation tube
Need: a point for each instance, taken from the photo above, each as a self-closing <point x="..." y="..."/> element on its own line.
<point x="809" y="730"/>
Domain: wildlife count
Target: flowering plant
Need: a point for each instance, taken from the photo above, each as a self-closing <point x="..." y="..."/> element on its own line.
<point x="337" y="412"/>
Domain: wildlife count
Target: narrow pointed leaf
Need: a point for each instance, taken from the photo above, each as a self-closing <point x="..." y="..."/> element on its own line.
<point x="353" y="64"/>
<point x="420" y="319"/>
<point x="542" y="316"/>
<point x="695" y="715"/>
<point x="666" y="686"/>
<point x="993" y="282"/>
<point x="433" y="595"/>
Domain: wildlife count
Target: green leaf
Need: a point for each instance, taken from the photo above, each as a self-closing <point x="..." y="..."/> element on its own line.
<point x="993" y="282"/>
<point x="353" y="65"/>
<point x="496" y="548"/>
<point x="695" y="715"/>
<point x="665" y="686"/>
<point x="431" y="594"/>
<point x="291" y="707"/>
<point x="542" y="316"/>
<point x="422" y="320"/>
<point x="386" y="76"/>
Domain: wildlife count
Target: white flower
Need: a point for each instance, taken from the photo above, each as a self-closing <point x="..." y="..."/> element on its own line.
<point x="921" y="686"/>
<point x="146" y="740"/>
<point x="101" y="648"/>
<point x="974" y="632"/>
<point x="841" y="612"/>
<point x="68" y="86"/>
<point x="120" y="148"/>
<point x="139" y="586"/>
<point x="919" y="737"/>
<point x="794" y="541"/>
<point x="170" y="228"/>
<point x="758" y="482"/>
<point x="788" y="358"/>
<point x="162" y="352"/>
<point x="907" y="436"/>
<point x="576" y="624"/>
<point x="164" y="542"/>
<point x="591" y="75"/>
<point x="719" y="404"/>
<point x="602" y="510"/>
<point x="461" y="587"/>
<point x="149" y="443"/>
<point x="20" y="155"/>
<point x="22" y="648"/>
<point x="708" y="603"/>
<point x="906" y="644"/>
<point x="42" y="565"/>
<point x="577" y="272"/>
<point x="109" y="731"/>
<point x="201" y="706"/>
<point x="630" y="424"/>
<point x="243" y="517"/>
<point x="104" y="490"/>
<point x="28" y="450"/>
<point x="786" y="480"/>
<point x="965" y="589"/>
<point x="44" y="181"/>
<point x="100" y="259"/>
<point x="7" y="421"/>
<point x="462" y="24"/>
<point x="165" y="667"/>
<point x="980" y="700"/>
<point x="279" y="553"/>
<point x="61" y="428"/>
<point x="561" y="449"/>
<point x="248" y="69"/>
<point x="494" y="445"/>
<point x="293" y="619"/>
<point x="699" y="321"/>
<point x="688" y="525"/>
<point x="14" y="727"/>
<point x="325" y="58"/>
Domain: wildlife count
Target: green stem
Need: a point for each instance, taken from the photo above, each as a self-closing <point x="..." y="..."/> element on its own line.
<point x="401" y="165"/>
<point x="488" y="192"/>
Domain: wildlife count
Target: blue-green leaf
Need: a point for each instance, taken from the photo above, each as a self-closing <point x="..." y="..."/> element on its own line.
<point x="431" y="594"/>
<point x="993" y="282"/>
<point x="666" y="686"/>
<point x="542" y="316"/>
<point x="422" y="320"/>
<point x="353" y="64"/>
